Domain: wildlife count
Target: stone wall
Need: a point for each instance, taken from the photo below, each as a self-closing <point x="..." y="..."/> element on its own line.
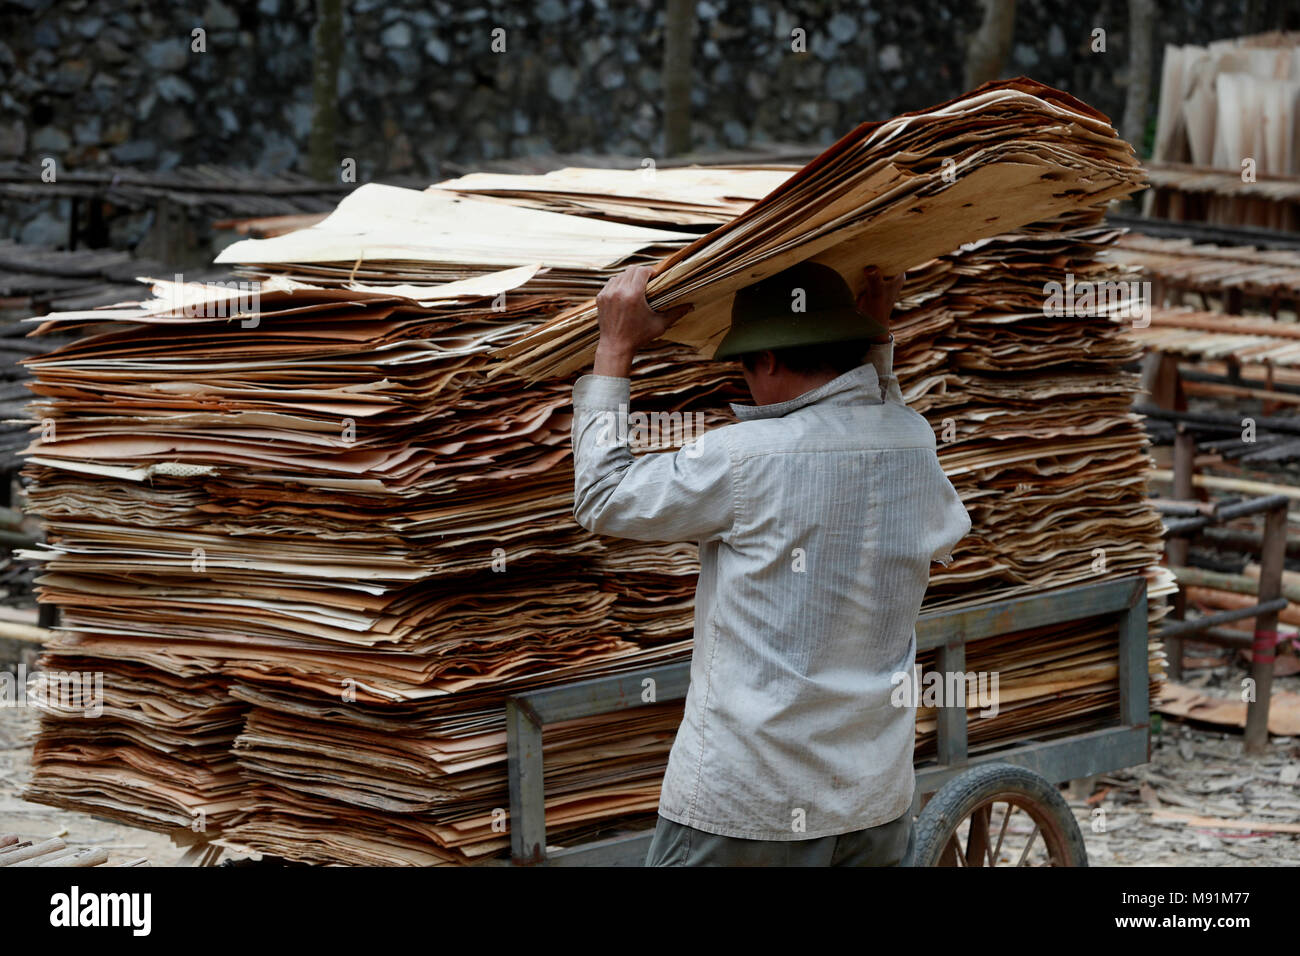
<point x="120" y="81"/>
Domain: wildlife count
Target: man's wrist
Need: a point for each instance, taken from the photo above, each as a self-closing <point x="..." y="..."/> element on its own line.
<point x="613" y="360"/>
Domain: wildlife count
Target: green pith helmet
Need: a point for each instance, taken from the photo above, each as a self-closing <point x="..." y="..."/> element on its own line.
<point x="764" y="316"/>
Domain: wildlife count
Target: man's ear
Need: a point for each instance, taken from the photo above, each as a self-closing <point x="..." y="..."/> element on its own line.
<point x="766" y="362"/>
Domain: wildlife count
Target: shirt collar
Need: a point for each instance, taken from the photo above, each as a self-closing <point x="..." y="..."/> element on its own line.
<point x="857" y="386"/>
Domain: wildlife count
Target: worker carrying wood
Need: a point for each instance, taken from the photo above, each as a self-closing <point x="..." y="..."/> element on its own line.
<point x="817" y="515"/>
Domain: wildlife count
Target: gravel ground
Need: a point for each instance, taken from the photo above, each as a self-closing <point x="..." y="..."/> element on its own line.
<point x="17" y="727"/>
<point x="1194" y="771"/>
<point x="1202" y="771"/>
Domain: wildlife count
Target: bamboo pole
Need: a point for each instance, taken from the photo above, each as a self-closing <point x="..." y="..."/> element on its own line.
<point x="1261" y="664"/>
<point x="679" y="38"/>
<point x="1236" y="583"/>
<point x="35" y="850"/>
<point x="1207" y="389"/>
<point x="1229" y="600"/>
<point x="25" y="632"/>
<point x="1243" y="485"/>
<point x="1178" y="548"/>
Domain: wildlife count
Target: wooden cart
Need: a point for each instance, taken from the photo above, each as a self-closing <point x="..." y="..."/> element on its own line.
<point x="977" y="799"/>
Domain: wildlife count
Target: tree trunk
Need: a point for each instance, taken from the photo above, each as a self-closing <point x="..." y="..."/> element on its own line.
<point x="991" y="44"/>
<point x="327" y="51"/>
<point x="1141" y="18"/>
<point x="679" y="38"/>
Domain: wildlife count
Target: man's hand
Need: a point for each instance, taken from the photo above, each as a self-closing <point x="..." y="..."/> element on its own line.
<point x="879" y="295"/>
<point x="627" y="323"/>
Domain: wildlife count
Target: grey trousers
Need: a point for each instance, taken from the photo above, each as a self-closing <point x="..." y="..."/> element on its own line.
<point x="886" y="845"/>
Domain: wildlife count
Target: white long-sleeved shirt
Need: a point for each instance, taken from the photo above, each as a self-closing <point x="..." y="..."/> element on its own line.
<point x="817" y="520"/>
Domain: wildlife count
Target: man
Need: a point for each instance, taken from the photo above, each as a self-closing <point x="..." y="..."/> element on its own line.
<point x="818" y="515"/>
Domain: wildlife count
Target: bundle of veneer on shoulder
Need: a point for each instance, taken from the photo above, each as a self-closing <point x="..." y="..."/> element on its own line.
<point x="891" y="195"/>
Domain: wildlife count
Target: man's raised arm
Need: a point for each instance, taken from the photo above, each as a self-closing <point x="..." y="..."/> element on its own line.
<point x="669" y="496"/>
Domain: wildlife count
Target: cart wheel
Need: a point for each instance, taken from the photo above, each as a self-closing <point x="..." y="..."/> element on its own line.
<point x="998" y="815"/>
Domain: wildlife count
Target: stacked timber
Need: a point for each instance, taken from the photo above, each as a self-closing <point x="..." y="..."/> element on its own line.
<point x="1236" y="278"/>
<point x="1246" y="340"/>
<point x="341" y="524"/>
<point x="18" y="851"/>
<point x="1229" y="381"/>
<point x="1232" y="100"/>
<point x="1227" y="140"/>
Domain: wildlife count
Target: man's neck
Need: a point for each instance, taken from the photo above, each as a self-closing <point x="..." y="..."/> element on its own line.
<point x="793" y="385"/>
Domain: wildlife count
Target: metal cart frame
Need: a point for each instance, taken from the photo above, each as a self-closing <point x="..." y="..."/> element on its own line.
<point x="946" y="632"/>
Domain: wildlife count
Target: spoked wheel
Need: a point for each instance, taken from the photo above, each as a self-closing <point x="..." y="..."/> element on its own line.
<point x="998" y="815"/>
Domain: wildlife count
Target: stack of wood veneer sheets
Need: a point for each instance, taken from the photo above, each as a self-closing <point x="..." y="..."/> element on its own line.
<point x="1227" y="141"/>
<point x="312" y="545"/>
<point x="1232" y="100"/>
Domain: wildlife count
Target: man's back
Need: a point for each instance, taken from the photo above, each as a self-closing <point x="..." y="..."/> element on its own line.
<point x="817" y="519"/>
